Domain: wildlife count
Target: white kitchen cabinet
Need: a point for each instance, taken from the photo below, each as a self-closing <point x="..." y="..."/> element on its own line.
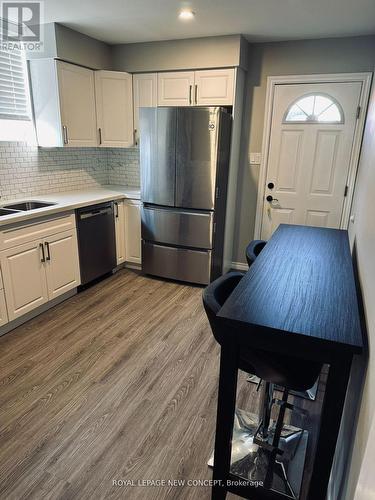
<point x="29" y="231"/>
<point x="77" y="104"/>
<point x="3" y="309"/>
<point x="114" y="108"/>
<point x="133" y="231"/>
<point x="145" y="92"/>
<point x="40" y="269"/>
<point x="176" y="88"/>
<point x="63" y="99"/>
<point x="214" y="87"/>
<point x="62" y="263"/>
<point x="24" y="278"/>
<point x="120" y="231"/>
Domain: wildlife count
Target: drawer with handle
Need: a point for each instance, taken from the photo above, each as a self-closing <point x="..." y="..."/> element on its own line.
<point x="176" y="263"/>
<point x="177" y="227"/>
<point x="23" y="232"/>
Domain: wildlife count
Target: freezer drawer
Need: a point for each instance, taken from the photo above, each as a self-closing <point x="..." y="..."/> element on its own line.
<point x="177" y="227"/>
<point x="176" y="263"/>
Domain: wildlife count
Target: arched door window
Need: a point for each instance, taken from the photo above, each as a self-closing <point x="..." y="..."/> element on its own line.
<point x="314" y="108"/>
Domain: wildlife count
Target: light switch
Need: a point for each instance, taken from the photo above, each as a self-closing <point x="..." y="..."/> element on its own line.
<point x="255" y="158"/>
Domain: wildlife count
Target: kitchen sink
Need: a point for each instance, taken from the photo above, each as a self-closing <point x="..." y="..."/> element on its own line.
<point x="28" y="205"/>
<point x="4" y="211"/>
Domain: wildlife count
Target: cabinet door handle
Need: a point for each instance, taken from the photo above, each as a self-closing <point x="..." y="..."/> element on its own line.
<point x="196" y="94"/>
<point x="135" y="137"/>
<point x="48" y="252"/>
<point x="65" y="134"/>
<point x="43" y="258"/>
<point x="190" y="91"/>
<point x="100" y="135"/>
<point x="116" y="210"/>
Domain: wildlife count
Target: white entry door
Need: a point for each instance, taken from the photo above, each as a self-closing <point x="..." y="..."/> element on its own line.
<point x="312" y="133"/>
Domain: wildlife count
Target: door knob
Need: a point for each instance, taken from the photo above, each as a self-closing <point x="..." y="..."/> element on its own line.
<point x="270" y="198"/>
<point x="270" y="185"/>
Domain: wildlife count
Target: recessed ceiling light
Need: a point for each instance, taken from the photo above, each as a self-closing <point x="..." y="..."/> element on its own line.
<point x="186" y="14"/>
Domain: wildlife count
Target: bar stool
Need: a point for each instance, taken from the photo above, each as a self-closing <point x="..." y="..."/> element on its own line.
<point x="253" y="249"/>
<point x="259" y="447"/>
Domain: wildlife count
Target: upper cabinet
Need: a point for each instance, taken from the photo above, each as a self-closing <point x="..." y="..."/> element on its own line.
<point x="63" y="97"/>
<point x="145" y="91"/>
<point x="196" y="88"/>
<point x="175" y="89"/>
<point x="214" y="87"/>
<point x="78" y="107"/>
<point x="77" y="104"/>
<point x="114" y="108"/>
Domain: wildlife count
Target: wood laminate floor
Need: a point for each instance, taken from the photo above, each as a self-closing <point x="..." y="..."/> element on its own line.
<point x="117" y="383"/>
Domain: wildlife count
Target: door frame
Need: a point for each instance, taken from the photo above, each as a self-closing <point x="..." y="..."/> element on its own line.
<point x="272" y="81"/>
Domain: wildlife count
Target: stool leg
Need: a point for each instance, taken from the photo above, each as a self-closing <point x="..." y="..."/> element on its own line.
<point x="225" y="419"/>
<point x="280" y="420"/>
<point x="276" y="440"/>
<point x="266" y="405"/>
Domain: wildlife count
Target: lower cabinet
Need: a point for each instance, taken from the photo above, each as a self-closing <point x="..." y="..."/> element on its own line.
<point x="39" y="271"/>
<point x="3" y="309"/>
<point x="128" y="231"/>
<point x="24" y="278"/>
<point x="120" y="230"/>
<point x="133" y="231"/>
<point x="40" y="261"/>
<point x="62" y="263"/>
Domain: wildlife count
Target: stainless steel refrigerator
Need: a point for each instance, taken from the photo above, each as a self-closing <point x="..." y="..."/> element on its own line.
<point x="184" y="156"/>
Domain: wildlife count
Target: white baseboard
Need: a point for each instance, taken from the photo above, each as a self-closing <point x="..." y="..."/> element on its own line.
<point x="133" y="265"/>
<point x="128" y="265"/>
<point x="240" y="266"/>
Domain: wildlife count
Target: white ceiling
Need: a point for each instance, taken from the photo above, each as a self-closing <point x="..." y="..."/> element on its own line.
<point x="124" y="21"/>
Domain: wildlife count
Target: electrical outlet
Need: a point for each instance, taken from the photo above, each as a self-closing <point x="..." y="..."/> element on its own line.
<point x="255" y="158"/>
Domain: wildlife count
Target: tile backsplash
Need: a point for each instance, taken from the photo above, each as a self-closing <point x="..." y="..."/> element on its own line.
<point x="28" y="170"/>
<point x="117" y="173"/>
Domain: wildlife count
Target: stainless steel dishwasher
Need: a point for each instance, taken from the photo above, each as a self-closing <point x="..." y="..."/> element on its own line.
<point x="96" y="241"/>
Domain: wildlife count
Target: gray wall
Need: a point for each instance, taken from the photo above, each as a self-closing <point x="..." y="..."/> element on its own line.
<point x="192" y="53"/>
<point x="71" y="46"/>
<point x="335" y="55"/>
<point x="82" y="49"/>
<point x="362" y="233"/>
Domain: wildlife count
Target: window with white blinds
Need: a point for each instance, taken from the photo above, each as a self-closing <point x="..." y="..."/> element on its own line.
<point x="14" y="102"/>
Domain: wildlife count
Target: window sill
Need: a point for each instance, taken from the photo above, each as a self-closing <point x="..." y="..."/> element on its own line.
<point x="17" y="131"/>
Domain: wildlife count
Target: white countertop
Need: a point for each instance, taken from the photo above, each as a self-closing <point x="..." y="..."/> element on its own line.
<point x="69" y="201"/>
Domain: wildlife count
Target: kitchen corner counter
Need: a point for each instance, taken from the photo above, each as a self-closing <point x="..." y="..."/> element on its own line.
<point x="130" y="193"/>
<point x="71" y="200"/>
